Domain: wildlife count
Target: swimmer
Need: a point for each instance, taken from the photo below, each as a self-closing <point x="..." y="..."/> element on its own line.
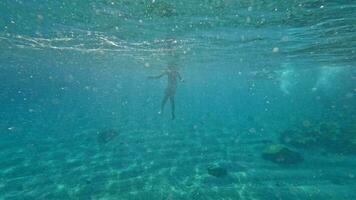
<point x="170" y="91"/>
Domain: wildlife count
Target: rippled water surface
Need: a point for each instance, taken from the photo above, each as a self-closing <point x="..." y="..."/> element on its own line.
<point x="266" y="109"/>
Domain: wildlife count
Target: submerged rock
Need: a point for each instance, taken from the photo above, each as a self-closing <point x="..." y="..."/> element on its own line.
<point x="217" y="171"/>
<point x="281" y="154"/>
<point x="106" y="136"/>
<point x="329" y="136"/>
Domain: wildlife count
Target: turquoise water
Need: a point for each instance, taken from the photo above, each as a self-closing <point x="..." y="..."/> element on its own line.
<point x="266" y="110"/>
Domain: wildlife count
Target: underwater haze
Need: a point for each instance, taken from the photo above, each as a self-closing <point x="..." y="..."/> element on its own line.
<point x="260" y="99"/>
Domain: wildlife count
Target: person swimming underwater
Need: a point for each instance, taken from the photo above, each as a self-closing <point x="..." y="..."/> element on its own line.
<point x="170" y="91"/>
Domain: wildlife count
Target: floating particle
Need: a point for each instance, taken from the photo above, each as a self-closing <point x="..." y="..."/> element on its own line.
<point x="252" y="130"/>
<point x="275" y="49"/>
<point x="349" y="95"/>
<point x="60" y="187"/>
<point x="147" y="64"/>
<point x="195" y="127"/>
<point x="263" y="20"/>
<point x="306" y="123"/>
<point x="40" y="17"/>
<point x="248" y="19"/>
<point x="285" y="38"/>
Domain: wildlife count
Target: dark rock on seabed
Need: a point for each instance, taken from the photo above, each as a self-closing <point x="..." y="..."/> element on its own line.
<point x="281" y="154"/>
<point x="106" y="136"/>
<point x="329" y="136"/>
<point x="217" y="171"/>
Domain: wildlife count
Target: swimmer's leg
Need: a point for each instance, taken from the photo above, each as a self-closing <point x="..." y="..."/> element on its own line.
<point x="164" y="101"/>
<point x="173" y="106"/>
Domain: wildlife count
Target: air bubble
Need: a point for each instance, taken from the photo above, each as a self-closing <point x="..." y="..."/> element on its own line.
<point x="40" y="17"/>
<point x="349" y="95"/>
<point x="285" y="38"/>
<point x="248" y="19"/>
<point x="252" y="130"/>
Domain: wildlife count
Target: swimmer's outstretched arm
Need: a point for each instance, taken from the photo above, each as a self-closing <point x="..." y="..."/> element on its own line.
<point x="158" y="76"/>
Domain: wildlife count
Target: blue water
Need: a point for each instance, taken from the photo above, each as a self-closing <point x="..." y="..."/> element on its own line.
<point x="78" y="116"/>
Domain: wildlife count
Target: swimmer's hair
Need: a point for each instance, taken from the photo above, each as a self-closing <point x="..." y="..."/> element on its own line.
<point x="173" y="67"/>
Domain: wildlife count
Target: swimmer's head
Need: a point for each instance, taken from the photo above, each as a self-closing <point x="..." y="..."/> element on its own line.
<point x="172" y="67"/>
